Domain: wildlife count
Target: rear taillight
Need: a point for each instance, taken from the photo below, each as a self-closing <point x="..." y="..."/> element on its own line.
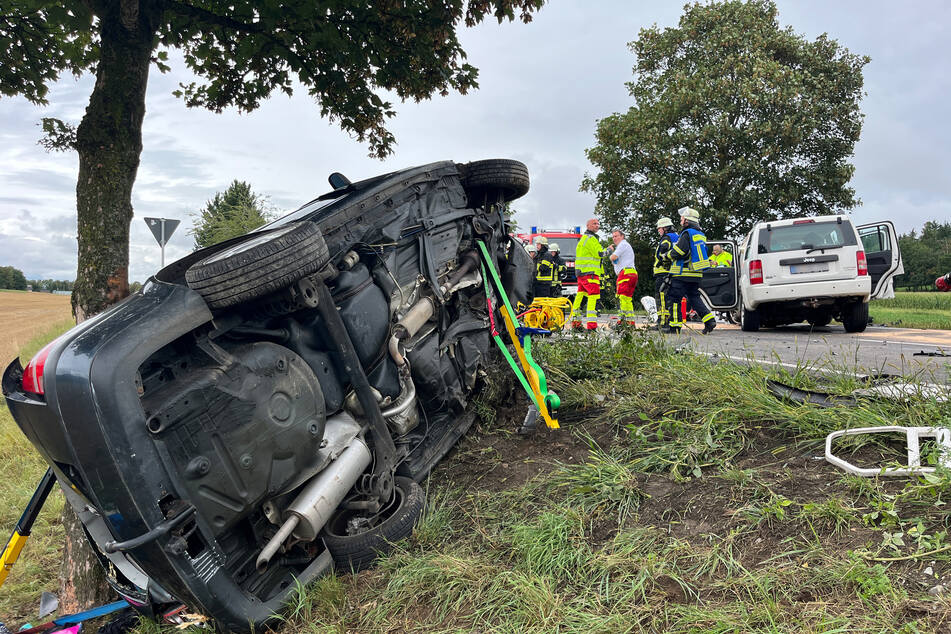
<point x="861" y="262"/>
<point x="756" y="271"/>
<point x="33" y="374"/>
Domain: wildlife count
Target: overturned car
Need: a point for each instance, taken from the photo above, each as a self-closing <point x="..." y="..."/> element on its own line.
<point x="264" y="408"/>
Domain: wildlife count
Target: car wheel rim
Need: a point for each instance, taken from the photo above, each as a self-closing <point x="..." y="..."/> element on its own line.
<point x="342" y="524"/>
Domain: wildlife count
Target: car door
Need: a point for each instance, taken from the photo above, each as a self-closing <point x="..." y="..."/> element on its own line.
<point x="883" y="256"/>
<point x="719" y="284"/>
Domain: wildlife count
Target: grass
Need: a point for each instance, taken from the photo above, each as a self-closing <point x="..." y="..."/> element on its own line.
<point x="21" y="468"/>
<point x="913" y="310"/>
<point x="696" y="506"/>
<point x="750" y="536"/>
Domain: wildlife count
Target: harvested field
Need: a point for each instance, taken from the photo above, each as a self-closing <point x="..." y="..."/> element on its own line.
<point x="25" y="315"/>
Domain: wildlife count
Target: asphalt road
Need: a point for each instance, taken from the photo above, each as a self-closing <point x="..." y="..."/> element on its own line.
<point x="922" y="354"/>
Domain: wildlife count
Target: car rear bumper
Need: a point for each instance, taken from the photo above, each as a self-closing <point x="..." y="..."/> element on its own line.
<point x="754" y="295"/>
<point x="91" y="428"/>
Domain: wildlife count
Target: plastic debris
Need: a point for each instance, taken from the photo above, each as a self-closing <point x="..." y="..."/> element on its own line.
<point x="913" y="435"/>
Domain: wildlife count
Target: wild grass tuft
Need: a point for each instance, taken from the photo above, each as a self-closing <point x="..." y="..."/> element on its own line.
<point x="604" y="484"/>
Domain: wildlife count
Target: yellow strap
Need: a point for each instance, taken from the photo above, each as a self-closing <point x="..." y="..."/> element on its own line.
<point x="11" y="553"/>
<point x="528" y="369"/>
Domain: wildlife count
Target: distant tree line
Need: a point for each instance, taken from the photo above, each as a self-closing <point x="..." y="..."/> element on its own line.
<point x="52" y="285"/>
<point x="12" y="278"/>
<point x="925" y="255"/>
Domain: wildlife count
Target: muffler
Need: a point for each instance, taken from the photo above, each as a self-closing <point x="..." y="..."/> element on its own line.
<point x="316" y="503"/>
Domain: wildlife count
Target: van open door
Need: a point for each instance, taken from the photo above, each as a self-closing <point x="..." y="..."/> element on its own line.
<point x="720" y="284"/>
<point x="883" y="256"/>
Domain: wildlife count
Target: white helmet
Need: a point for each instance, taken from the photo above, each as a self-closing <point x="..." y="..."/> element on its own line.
<point x="689" y="213"/>
<point x="664" y="222"/>
<point x="554" y="247"/>
<point x="530" y="247"/>
<point x="541" y="240"/>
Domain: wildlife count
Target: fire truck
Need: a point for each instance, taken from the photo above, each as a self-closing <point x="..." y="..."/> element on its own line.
<point x="567" y="241"/>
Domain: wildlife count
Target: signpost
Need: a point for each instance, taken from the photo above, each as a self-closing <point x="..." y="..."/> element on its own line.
<point x="162" y="229"/>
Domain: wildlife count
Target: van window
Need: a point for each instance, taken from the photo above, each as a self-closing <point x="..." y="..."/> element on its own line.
<point x="807" y="235"/>
<point x="875" y="239"/>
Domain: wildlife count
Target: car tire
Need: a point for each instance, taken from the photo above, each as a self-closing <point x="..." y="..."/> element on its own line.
<point x="855" y="317"/>
<point x="259" y="266"/>
<point x="749" y="319"/>
<point x="357" y="552"/>
<point x="494" y="180"/>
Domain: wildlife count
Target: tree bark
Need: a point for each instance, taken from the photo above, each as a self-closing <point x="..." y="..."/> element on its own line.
<point x="109" y="143"/>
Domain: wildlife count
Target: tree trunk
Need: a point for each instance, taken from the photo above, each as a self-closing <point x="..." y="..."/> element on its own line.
<point x="109" y="142"/>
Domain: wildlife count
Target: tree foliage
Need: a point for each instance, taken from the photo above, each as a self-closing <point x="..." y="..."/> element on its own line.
<point x="229" y="214"/>
<point x="733" y="115"/>
<point x="12" y="278"/>
<point x="342" y="52"/>
<point x="926" y="256"/>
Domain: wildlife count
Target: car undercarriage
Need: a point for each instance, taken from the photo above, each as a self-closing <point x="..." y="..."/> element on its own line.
<point x="265" y="408"/>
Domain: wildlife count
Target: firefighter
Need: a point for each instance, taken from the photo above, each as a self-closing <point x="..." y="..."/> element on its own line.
<point x="622" y="257"/>
<point x="668" y="237"/>
<point x="588" y="256"/>
<point x="720" y="258"/>
<point x="561" y="269"/>
<point x="530" y="247"/>
<point x="689" y="261"/>
<point x="544" y="268"/>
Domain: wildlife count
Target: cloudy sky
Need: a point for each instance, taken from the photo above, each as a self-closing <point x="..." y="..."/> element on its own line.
<point x="543" y="87"/>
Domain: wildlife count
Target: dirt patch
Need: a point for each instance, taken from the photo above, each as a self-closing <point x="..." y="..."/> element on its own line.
<point x="26" y="315"/>
<point x="494" y="457"/>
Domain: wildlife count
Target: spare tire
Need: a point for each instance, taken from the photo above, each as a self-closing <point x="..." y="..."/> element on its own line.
<point x="259" y="266"/>
<point x="494" y="180"/>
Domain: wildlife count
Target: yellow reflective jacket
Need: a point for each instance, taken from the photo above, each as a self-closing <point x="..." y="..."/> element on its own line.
<point x="588" y="255"/>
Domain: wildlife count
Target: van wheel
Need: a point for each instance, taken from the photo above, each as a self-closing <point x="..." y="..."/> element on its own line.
<point x="356" y="538"/>
<point x="855" y="317"/>
<point x="494" y="180"/>
<point x="749" y="319"/>
<point x="258" y="266"/>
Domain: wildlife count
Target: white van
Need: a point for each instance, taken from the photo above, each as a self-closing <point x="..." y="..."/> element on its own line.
<point x="806" y="269"/>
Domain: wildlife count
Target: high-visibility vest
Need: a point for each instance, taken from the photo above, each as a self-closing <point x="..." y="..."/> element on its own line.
<point x="697" y="263"/>
<point x="544" y="269"/>
<point x="667" y="242"/>
<point x="588" y="256"/>
<point x="723" y="259"/>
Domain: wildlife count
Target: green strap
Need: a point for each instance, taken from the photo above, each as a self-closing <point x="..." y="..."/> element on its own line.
<point x="505" y="351"/>
<point x="542" y="381"/>
<point x="495" y="277"/>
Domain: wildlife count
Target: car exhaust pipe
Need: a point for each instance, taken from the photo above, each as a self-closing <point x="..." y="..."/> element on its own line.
<point x="409" y="325"/>
<point x="320" y="497"/>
